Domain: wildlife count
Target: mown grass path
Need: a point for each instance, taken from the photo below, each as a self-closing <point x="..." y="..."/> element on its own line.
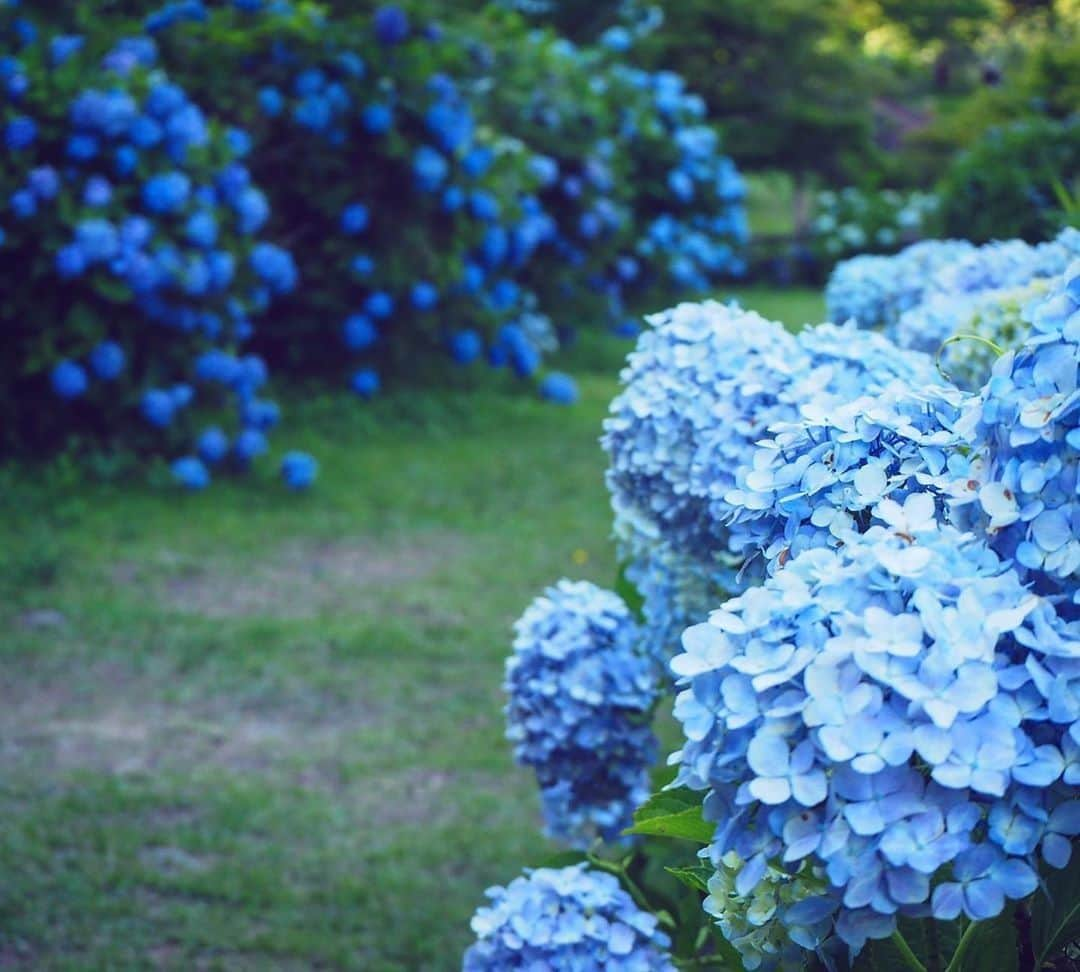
<point x="246" y="730"/>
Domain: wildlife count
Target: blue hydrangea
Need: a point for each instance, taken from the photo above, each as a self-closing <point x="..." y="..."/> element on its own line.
<point x="213" y="445"/>
<point x="466" y="346"/>
<point x="559" y="388"/>
<point x="1026" y="428"/>
<point x="365" y="382"/>
<point x="275" y="267"/>
<point x="581" y="693"/>
<point x="815" y="479"/>
<point x="69" y="380"/>
<point x="298" y="470"/>
<point x="568" y="918"/>
<point x="107" y="360"/>
<point x="874" y="290"/>
<point x="890" y="720"/>
<point x="424" y="295"/>
<point x="391" y="25"/>
<point x="355" y="218"/>
<point x="166" y="192"/>
<point x="190" y="473"/>
<point x="359" y="332"/>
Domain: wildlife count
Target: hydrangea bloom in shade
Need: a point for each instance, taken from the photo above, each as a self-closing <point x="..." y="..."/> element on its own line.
<point x="107" y="360"/>
<point x="69" y="379"/>
<point x="249" y="444"/>
<point x="890" y="719"/>
<point x="190" y="473"/>
<point x="580" y="695"/>
<point x="466" y="346"/>
<point x="298" y="470"/>
<point x="559" y="388"/>
<point x="815" y="479"/>
<point x="391" y="25"/>
<point x="571" y="918"/>
<point x="1026" y="425"/>
<point x="359" y="333"/>
<point x="366" y="382"/>
<point x="213" y="445"/>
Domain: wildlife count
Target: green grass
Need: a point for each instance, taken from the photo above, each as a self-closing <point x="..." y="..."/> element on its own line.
<point x="247" y="730"/>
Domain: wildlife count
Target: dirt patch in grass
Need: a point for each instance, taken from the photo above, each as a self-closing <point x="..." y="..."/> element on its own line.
<point x="293" y="580"/>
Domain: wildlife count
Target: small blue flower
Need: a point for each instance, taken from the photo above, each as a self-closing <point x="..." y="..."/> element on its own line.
<point x="298" y="470"/>
<point x="354" y="218"/>
<point x="271" y="102"/>
<point x="107" y="360"/>
<point x="250" y="443"/>
<point x="158" y="407"/>
<point x="359" y="332"/>
<point x="69" y="380"/>
<point x="365" y="382"/>
<point x="379" y="305"/>
<point x="466" y="346"/>
<point x="424" y="296"/>
<point x="391" y="25"/>
<point x="190" y="473"/>
<point x="20" y="132"/>
<point x="97" y="192"/>
<point x="213" y="445"/>
<point x="559" y="388"/>
<point x="167" y="192"/>
<point x="377" y="118"/>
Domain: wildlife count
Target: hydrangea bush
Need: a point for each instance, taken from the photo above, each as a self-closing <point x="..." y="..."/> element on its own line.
<point x="363" y="196"/>
<point x="136" y="228"/>
<point x="881" y="733"/>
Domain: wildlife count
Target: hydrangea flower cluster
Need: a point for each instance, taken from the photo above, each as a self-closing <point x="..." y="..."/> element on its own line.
<point x="570" y="918"/>
<point x="886" y="718"/>
<point x="816" y="479"/>
<point x="967" y="331"/>
<point x="704" y="385"/>
<point x="954" y="279"/>
<point x="581" y="693"/>
<point x="705" y="381"/>
<point x="853" y="221"/>
<point x="875" y="290"/>
<point x="148" y="214"/>
<point x="1025" y="427"/>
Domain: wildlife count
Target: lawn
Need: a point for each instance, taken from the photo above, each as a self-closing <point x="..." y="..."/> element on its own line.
<point x="247" y="730"/>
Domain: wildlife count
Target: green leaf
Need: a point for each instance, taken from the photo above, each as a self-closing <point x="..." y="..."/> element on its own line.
<point x="1055" y="910"/>
<point x="673" y="813"/>
<point x="696" y="878"/>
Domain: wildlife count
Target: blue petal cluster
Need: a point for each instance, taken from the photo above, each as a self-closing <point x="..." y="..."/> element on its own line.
<point x="886" y="719"/>
<point x="817" y="478"/>
<point x="1026" y="428"/>
<point x="571" y="918"/>
<point x="581" y="692"/>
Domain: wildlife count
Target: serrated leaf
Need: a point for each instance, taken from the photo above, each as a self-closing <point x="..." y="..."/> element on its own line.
<point x="1055" y="910"/>
<point x="696" y="878"/>
<point x="673" y="813"/>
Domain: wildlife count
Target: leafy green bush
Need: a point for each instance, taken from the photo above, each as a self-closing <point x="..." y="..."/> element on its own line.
<point x="1006" y="184"/>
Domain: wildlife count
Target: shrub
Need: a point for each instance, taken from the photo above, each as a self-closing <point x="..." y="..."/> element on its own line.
<point x="1007" y="183"/>
<point x="134" y="224"/>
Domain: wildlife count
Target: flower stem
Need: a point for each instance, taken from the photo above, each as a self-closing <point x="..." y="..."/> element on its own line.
<point x="961" y="947"/>
<point x="911" y="960"/>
